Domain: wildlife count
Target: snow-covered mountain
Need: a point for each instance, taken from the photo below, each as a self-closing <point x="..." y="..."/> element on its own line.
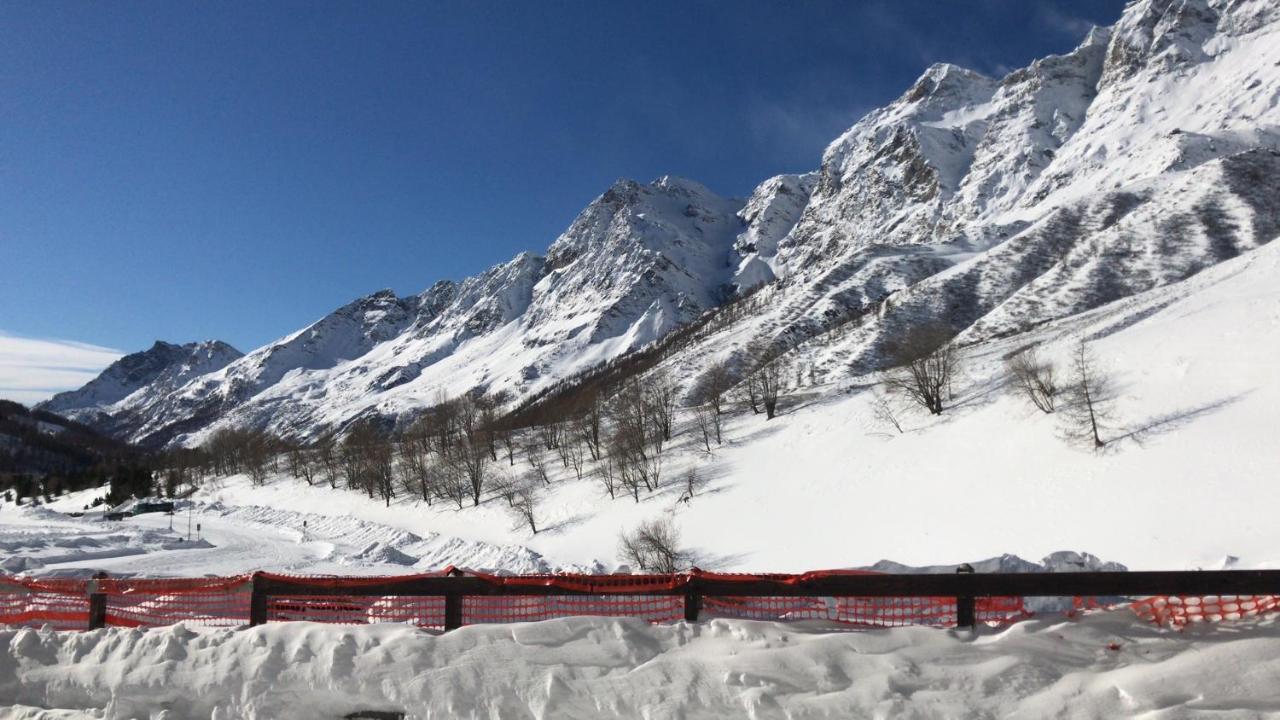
<point x="987" y="205"/>
<point x="107" y="400"/>
<point x="638" y="262"/>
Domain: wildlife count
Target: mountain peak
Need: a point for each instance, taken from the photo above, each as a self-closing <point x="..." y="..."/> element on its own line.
<point x="140" y="369"/>
<point x="948" y="83"/>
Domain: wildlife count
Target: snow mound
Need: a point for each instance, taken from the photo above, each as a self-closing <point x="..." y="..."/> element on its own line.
<point x="1103" y="665"/>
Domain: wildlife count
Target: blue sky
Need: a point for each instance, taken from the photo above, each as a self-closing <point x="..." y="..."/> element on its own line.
<point x="235" y="170"/>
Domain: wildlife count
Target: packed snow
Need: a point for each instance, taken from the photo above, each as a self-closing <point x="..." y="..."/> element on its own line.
<point x="1103" y="665"/>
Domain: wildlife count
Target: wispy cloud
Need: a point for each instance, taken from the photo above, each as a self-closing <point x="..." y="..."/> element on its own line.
<point x="33" y="369"/>
<point x="798" y="131"/>
<point x="1054" y="18"/>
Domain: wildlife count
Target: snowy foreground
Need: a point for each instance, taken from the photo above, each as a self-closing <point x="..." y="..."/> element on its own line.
<point x="1104" y="665"/>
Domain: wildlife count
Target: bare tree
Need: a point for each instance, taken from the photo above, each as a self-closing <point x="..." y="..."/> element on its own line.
<point x="470" y="456"/>
<point x="769" y="379"/>
<point x="882" y="409"/>
<point x="660" y="390"/>
<point x="750" y="392"/>
<point x="654" y="546"/>
<point x="537" y="463"/>
<point x="524" y="504"/>
<point x="326" y="449"/>
<point x="257" y="451"/>
<point x="300" y="462"/>
<point x="927" y="363"/>
<point x="691" y="484"/>
<point x="507" y="438"/>
<point x="454" y="484"/>
<point x="636" y="465"/>
<point x="707" y="424"/>
<point x="416" y="464"/>
<point x="710" y="389"/>
<point x="572" y="447"/>
<point x="606" y="471"/>
<point x="1090" y="398"/>
<point x="550" y="434"/>
<point x="588" y="423"/>
<point x="1034" y="378"/>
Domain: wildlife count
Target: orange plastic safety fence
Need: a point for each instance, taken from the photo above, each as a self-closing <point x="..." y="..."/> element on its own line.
<point x="423" y="611"/>
<point x="865" y="611"/>
<point x="602" y="584"/>
<point x="768" y="608"/>
<point x="1179" y="610"/>
<point x="480" y="609"/>
<point x="207" y="602"/>
<point x="356" y="581"/>
<point x="225" y="602"/>
<point x="59" y="603"/>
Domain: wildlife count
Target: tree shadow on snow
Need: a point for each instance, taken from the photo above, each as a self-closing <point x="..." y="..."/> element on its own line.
<point x="1168" y="422"/>
<point x="704" y="560"/>
<point x="560" y="526"/>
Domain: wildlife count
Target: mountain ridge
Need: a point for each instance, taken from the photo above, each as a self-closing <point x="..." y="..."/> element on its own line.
<point x="985" y="205"/>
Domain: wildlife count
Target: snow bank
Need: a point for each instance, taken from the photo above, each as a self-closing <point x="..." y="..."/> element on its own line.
<point x="1104" y="665"/>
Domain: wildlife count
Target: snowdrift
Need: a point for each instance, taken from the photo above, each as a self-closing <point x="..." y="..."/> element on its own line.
<point x="1105" y="666"/>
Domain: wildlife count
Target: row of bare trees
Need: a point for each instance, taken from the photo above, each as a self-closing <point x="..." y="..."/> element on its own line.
<point x="1086" y="400"/>
<point x="461" y="451"/>
<point x="927" y="364"/>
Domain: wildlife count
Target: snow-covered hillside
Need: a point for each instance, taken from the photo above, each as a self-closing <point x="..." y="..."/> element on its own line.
<point x="827" y="484"/>
<point x="986" y="205"/>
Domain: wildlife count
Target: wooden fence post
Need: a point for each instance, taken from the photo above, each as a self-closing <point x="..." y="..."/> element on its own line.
<point x="966" y="611"/>
<point x="452" y="611"/>
<point x="257" y="600"/>
<point x="97" y="602"/>
<point x="692" y="604"/>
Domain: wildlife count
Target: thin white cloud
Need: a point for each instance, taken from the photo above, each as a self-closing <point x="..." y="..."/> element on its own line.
<point x="1066" y="23"/>
<point x="34" y="369"/>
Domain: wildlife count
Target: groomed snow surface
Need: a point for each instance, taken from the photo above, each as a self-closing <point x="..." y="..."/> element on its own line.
<point x="1100" y="666"/>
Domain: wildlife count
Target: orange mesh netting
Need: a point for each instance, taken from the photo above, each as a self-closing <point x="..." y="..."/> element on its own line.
<point x="479" y="609"/>
<point x="61" y="604"/>
<point x="208" y="602"/>
<point x="227" y="602"/>
<point x="426" y="611"/>
<point x="1179" y="610"/>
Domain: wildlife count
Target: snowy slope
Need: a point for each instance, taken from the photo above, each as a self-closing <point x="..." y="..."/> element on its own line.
<point x="827" y="484"/>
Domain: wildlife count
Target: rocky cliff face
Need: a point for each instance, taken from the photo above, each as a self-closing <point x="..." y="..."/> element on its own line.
<point x="987" y="205"/>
